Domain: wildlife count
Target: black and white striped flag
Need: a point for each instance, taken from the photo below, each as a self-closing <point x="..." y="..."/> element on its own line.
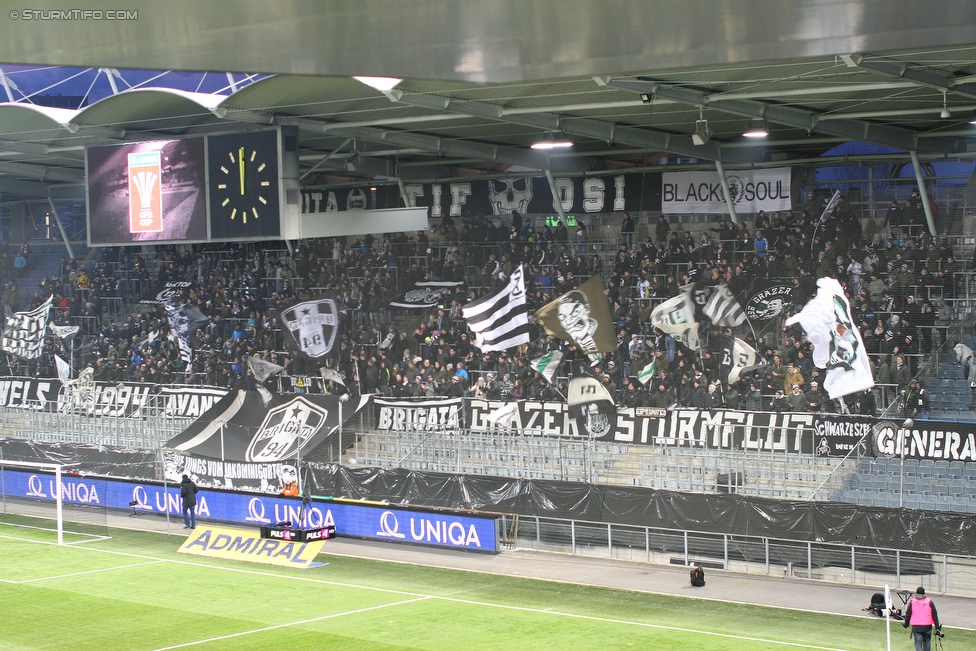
<point x="722" y="309"/>
<point x="834" y="200"/>
<point x="500" y="321"/>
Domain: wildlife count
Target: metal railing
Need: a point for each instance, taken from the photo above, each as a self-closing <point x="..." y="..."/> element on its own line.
<point x="760" y="555"/>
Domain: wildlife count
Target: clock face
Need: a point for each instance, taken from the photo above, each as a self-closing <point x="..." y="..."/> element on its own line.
<point x="244" y="186"/>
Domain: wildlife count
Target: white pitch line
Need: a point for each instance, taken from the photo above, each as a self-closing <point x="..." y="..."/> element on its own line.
<point x="104" y="569"/>
<point x="286" y="625"/>
<point x="450" y="599"/>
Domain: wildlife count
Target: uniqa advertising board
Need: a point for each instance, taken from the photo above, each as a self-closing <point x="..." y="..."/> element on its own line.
<point x="369" y="521"/>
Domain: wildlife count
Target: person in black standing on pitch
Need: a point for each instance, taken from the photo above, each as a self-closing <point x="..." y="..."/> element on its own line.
<point x="922" y="616"/>
<point x="188" y="491"/>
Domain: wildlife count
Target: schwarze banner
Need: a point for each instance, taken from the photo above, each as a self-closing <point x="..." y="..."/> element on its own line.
<point x="701" y="192"/>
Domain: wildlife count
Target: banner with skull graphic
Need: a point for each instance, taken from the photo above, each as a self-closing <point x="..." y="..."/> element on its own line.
<point x="581" y="317"/>
<point x="524" y="194"/>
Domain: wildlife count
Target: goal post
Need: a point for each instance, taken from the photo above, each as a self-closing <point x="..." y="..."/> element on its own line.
<point x="49" y="491"/>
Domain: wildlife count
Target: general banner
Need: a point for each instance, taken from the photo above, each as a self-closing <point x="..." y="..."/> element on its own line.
<point x="750" y="190"/>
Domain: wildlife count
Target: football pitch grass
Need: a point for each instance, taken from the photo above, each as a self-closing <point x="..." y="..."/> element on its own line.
<point x="133" y="591"/>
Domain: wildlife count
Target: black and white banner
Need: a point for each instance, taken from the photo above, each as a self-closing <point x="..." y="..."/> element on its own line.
<point x="29" y="393"/>
<point x="110" y="399"/>
<point x="526" y="195"/>
<point x="750" y="190"/>
<point x="946" y="441"/>
<point x="426" y="294"/>
<point x="312" y="326"/>
<point x="23" y="332"/>
<point x="768" y="300"/>
<point x="165" y="292"/>
<point x="412" y="415"/>
<point x="242" y="441"/>
<point x="190" y="401"/>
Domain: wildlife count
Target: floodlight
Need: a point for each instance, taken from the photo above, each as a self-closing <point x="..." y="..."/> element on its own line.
<point x="382" y="84"/>
<point x="756" y="130"/>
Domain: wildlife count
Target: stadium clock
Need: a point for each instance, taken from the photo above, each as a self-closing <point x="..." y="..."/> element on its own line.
<point x="244" y="185"/>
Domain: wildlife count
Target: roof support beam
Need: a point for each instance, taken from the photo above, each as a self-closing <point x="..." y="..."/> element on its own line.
<point x="917" y="75"/>
<point x="43" y="172"/>
<point x="797" y="118"/>
<point x="444" y="146"/>
<point x="608" y="132"/>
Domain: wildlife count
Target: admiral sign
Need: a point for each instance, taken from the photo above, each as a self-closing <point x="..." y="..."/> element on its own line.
<point x="312" y="326"/>
<point x="750" y="190"/>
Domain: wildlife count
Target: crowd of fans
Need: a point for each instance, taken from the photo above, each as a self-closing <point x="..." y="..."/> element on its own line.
<point x="895" y="274"/>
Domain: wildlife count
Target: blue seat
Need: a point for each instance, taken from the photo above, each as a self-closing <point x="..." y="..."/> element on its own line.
<point x="940" y="489"/>
<point x="910" y="488"/>
<point x="837" y="496"/>
<point x="956" y="469"/>
<point x="957" y="488"/>
<point x="851" y="497"/>
<point x="911" y="504"/>
<point x="864" y="466"/>
<point x="960" y="505"/>
<point x="850" y="481"/>
<point x="881" y="501"/>
<point x="943" y="504"/>
<point x="969" y="472"/>
<point x="928" y="505"/>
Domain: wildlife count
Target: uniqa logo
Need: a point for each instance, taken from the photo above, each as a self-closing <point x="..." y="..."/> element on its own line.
<point x="389" y="526"/>
<point x="141" y="499"/>
<point x="35" y="487"/>
<point x="255" y="511"/>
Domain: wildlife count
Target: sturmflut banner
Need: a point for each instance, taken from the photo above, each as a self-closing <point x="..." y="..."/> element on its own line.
<point x="701" y="192"/>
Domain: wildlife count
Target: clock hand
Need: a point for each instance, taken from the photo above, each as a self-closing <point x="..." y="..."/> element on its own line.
<point x="240" y="158"/>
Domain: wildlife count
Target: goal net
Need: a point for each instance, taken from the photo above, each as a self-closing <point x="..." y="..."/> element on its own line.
<point x="53" y="497"/>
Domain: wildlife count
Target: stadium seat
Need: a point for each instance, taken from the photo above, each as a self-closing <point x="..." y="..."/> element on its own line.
<point x="881" y="486"/>
<point x="943" y="504"/>
<point x="960" y="505"/>
<point x="865" y="501"/>
<point x="928" y="505"/>
<point x="911" y="504"/>
<point x="910" y="488"/>
<point x="881" y="501"/>
<point x="851" y="497"/>
<point x="864" y="466"/>
<point x="940" y="469"/>
<point x="836" y="496"/>
<point x="940" y="490"/>
<point x="969" y="472"/>
<point x="956" y="469"/>
<point x="850" y="481"/>
<point x="957" y="488"/>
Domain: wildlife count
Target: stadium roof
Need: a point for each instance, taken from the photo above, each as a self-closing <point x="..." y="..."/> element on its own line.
<point x="834" y="80"/>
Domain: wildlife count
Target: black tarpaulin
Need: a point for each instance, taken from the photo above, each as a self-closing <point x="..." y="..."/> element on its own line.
<point x="930" y="532"/>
